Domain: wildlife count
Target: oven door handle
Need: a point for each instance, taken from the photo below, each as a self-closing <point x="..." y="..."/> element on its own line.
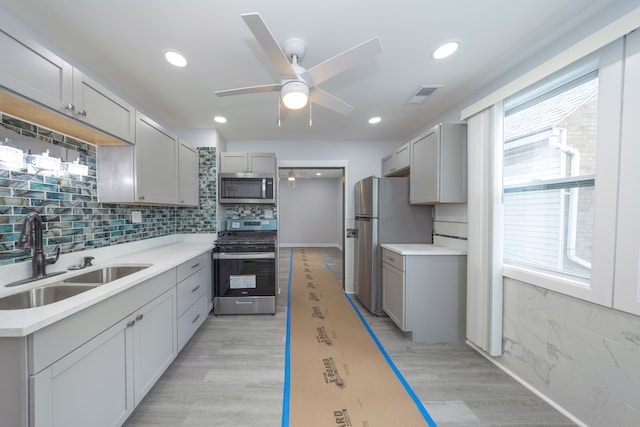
<point x="245" y="255"/>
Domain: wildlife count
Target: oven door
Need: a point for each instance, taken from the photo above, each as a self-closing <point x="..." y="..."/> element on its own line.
<point x="245" y="274"/>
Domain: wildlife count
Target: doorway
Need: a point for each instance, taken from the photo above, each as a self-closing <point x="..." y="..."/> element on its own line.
<point x="311" y="208"/>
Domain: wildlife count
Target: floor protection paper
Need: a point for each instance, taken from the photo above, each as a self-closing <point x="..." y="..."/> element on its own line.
<point x="337" y="374"/>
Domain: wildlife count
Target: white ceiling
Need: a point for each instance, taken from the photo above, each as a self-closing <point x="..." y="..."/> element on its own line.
<point x="121" y="43"/>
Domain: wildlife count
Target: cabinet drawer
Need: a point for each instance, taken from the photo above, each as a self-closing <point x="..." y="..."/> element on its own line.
<point x="190" y="289"/>
<point x="188" y="268"/>
<point x="393" y="259"/>
<point x="191" y="320"/>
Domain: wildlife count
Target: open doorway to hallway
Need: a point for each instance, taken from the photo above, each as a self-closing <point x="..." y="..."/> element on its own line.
<point x="311" y="211"/>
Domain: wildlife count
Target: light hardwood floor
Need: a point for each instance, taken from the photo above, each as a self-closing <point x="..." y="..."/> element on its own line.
<point x="231" y="374"/>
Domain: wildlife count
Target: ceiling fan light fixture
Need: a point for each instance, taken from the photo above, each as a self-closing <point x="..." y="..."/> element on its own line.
<point x="295" y="95"/>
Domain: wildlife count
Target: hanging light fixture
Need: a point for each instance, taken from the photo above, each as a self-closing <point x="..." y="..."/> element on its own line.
<point x="295" y="94"/>
<point x="291" y="179"/>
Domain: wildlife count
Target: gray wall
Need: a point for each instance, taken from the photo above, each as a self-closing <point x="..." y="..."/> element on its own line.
<point x="310" y="214"/>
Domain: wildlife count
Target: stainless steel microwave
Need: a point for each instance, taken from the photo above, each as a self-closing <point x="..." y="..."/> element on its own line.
<point x="246" y="188"/>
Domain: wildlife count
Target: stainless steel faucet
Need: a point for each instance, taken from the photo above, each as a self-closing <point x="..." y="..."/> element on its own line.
<point x="31" y="237"/>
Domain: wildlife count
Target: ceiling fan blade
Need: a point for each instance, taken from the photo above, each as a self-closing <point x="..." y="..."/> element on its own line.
<point x="342" y="62"/>
<point x="320" y="97"/>
<point x="268" y="43"/>
<point x="250" y="89"/>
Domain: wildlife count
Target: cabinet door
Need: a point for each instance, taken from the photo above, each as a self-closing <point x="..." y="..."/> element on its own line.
<point x="89" y="387"/>
<point x="233" y="162"/>
<point x="388" y="164"/>
<point x="262" y="162"/>
<point x="425" y="164"/>
<point x="191" y="320"/>
<point x="393" y="294"/>
<point x="102" y="109"/>
<point x="188" y="191"/>
<point x="32" y="71"/>
<point x="154" y="342"/>
<point x="403" y="157"/>
<point x="156" y="175"/>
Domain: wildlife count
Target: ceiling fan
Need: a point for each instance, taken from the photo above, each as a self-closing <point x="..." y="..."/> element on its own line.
<point x="299" y="85"/>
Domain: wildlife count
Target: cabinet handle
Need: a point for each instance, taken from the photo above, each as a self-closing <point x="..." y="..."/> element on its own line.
<point x="139" y="317"/>
<point x="195" y="289"/>
<point x="141" y="197"/>
<point x="130" y="323"/>
<point x="390" y="258"/>
<point x="196" y="319"/>
<point x="70" y="107"/>
<point x="82" y="113"/>
<point x="195" y="265"/>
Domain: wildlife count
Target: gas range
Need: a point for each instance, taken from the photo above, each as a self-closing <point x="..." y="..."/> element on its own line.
<point x="245" y="273"/>
<point x="248" y="236"/>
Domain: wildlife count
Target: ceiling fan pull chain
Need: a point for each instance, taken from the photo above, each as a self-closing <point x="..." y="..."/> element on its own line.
<point x="279" y="106"/>
<point x="310" y="113"/>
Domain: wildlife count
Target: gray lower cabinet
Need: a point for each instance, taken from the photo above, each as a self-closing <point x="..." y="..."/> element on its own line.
<point x="425" y="295"/>
<point x="100" y="382"/>
<point x="194" y="277"/>
<point x="94" y="367"/>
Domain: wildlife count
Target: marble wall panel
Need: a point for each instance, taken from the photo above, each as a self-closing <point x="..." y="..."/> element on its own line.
<point x="583" y="356"/>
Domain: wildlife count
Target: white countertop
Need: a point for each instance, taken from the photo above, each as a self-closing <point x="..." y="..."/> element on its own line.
<point x="166" y="254"/>
<point x="420" y="249"/>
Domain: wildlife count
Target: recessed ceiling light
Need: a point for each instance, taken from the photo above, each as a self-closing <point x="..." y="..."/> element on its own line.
<point x="220" y="119"/>
<point x="175" y="58"/>
<point x="374" y="120"/>
<point x="445" y="50"/>
<point x="318" y="173"/>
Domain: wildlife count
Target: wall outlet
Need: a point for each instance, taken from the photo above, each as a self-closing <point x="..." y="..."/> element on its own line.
<point x="136" y="217"/>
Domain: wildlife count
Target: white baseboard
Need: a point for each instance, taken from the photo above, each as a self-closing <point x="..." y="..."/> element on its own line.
<point x="528" y="386"/>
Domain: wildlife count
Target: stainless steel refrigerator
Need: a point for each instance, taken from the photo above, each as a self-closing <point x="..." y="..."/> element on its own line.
<point x="383" y="215"/>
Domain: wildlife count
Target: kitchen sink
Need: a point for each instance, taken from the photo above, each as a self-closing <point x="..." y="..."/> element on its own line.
<point x="41" y="296"/>
<point x="106" y="274"/>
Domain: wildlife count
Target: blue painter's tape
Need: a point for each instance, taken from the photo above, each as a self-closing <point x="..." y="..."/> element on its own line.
<point x="404" y="382"/>
<point x="285" y="397"/>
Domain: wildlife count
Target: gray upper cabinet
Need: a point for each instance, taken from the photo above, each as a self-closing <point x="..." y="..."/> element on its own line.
<point x="261" y="163"/>
<point x="95" y="105"/>
<point x="188" y="183"/>
<point x="32" y="71"/>
<point x="398" y="162"/>
<point x="438" y="172"/>
<point x="156" y="163"/>
<point x="146" y="172"/>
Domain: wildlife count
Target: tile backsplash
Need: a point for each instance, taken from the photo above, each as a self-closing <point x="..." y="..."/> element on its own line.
<point x="69" y="206"/>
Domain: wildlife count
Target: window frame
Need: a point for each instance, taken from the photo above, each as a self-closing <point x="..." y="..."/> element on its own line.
<point x="599" y="288"/>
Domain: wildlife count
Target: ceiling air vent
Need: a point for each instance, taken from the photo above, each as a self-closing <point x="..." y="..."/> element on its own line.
<point x="423" y="93"/>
